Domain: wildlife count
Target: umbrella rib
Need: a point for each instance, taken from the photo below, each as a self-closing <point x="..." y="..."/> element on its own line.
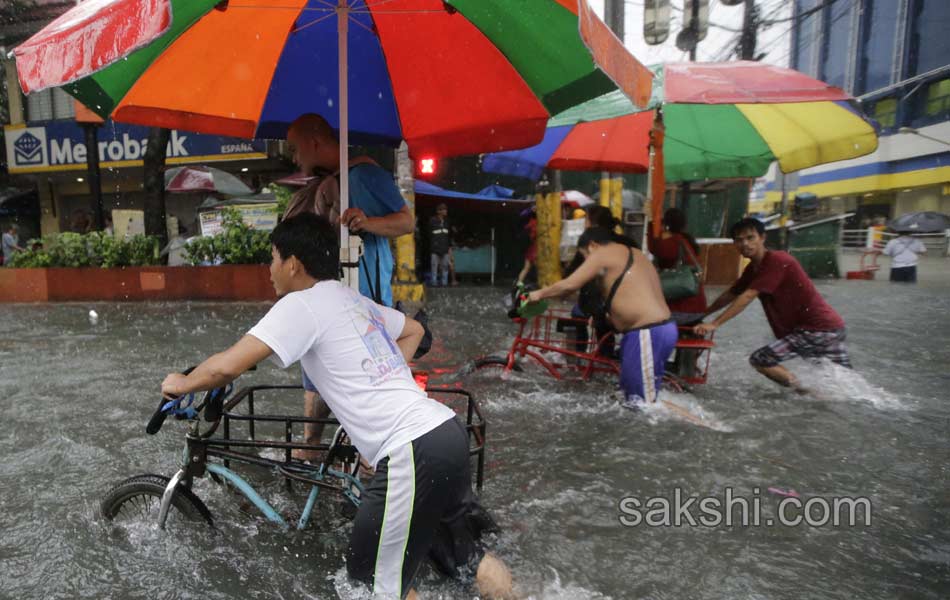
<point x="363" y="25"/>
<point x="314" y="22"/>
<point x="330" y="7"/>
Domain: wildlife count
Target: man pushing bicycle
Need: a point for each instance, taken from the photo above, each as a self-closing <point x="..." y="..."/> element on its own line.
<point x="356" y="353"/>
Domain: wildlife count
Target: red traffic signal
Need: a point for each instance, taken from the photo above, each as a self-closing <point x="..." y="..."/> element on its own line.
<point x="426" y="166"/>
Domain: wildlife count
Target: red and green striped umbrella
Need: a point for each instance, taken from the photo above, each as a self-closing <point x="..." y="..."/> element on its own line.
<point x="722" y="120"/>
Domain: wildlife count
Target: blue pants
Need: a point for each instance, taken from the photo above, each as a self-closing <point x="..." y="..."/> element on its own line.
<point x="904" y="274"/>
<point x="643" y="356"/>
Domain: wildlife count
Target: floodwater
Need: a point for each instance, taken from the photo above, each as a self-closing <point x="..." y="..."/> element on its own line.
<point x="74" y="398"/>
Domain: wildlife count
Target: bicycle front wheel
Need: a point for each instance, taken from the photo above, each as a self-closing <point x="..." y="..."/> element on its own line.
<point x="139" y="498"/>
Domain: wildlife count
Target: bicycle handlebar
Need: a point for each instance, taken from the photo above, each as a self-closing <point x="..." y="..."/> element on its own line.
<point x="212" y="403"/>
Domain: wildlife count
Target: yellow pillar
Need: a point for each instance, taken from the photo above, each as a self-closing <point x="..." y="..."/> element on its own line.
<point x="616" y="198"/>
<point x="406" y="286"/>
<point x="549" y="239"/>
<point x="605" y="188"/>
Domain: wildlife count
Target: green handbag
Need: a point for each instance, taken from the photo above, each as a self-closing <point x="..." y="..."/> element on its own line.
<point x="681" y="281"/>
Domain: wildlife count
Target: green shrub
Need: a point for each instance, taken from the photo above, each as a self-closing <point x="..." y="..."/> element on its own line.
<point x="96" y="249"/>
<point x="284" y="196"/>
<point x="237" y="244"/>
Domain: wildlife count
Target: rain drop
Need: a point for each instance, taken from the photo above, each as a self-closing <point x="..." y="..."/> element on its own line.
<point x="330" y="102"/>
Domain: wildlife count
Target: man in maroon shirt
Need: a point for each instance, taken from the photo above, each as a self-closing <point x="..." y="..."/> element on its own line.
<point x="803" y="322"/>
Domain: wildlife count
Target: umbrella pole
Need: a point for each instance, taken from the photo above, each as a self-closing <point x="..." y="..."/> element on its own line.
<point x="349" y="256"/>
<point x="657" y="178"/>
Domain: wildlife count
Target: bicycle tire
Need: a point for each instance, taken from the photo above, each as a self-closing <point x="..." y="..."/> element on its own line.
<point x="496" y="361"/>
<point x="141" y="496"/>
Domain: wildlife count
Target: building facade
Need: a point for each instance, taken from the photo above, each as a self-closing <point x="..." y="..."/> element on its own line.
<point x="894" y="56"/>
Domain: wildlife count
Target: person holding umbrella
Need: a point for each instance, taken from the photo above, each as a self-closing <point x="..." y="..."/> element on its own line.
<point x="377" y="212"/>
<point x="904" y="251"/>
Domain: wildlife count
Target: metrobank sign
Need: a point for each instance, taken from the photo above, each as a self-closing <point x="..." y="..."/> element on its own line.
<point x="61" y="146"/>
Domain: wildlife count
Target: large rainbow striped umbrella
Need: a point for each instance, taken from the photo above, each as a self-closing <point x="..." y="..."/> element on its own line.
<point x="449" y="77"/>
<point x="722" y="120"/>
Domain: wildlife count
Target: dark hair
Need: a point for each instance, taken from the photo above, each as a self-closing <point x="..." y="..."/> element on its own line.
<point x="313" y="125"/>
<point x="599" y="235"/>
<point x="313" y="240"/>
<point x="675" y="221"/>
<point x="746" y="223"/>
<point x="600" y="216"/>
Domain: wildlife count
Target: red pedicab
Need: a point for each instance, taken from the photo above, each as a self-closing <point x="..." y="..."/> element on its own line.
<point x="544" y="334"/>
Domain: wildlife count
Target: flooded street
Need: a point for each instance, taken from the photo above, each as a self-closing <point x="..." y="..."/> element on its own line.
<point x="74" y="398"/>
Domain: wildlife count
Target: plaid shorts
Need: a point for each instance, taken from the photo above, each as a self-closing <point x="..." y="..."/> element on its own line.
<point x="804" y="343"/>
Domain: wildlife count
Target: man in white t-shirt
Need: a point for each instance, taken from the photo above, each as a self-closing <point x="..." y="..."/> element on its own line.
<point x="356" y="352"/>
<point x="903" y="251"/>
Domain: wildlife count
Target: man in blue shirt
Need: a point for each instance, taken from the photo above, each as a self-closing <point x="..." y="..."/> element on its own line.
<point x="377" y="212"/>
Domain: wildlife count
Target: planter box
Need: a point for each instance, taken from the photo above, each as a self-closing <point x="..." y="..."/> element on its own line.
<point x="223" y="282"/>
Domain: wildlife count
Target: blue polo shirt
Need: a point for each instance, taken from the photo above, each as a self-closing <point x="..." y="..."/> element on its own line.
<point x="373" y="190"/>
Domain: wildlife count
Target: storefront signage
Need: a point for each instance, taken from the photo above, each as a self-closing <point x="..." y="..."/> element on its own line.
<point x="61" y="146"/>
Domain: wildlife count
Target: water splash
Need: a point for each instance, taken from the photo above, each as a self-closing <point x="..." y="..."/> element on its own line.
<point x="835" y="383"/>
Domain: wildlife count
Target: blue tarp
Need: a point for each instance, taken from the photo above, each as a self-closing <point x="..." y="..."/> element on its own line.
<point x="493" y="193"/>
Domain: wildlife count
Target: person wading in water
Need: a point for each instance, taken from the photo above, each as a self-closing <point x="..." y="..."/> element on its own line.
<point x="635" y="306"/>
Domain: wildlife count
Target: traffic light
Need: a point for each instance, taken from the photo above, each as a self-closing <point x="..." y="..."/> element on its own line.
<point x="426" y="167"/>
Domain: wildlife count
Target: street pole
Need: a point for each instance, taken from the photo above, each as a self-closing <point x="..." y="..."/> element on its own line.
<point x="694" y="25"/>
<point x="750" y="25"/>
<point x="611" y="184"/>
<point x="92" y="172"/>
<point x="613" y="17"/>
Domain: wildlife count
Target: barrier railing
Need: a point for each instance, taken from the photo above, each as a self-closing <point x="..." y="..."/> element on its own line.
<point x="860" y="240"/>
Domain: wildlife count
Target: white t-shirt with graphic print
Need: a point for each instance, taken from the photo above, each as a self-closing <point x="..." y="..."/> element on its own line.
<point x="346" y="345"/>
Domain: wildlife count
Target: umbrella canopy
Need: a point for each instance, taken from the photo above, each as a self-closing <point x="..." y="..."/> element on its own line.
<point x="722" y="120"/>
<point x="450" y="77"/>
<point x="204" y="179"/>
<point x="921" y="222"/>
